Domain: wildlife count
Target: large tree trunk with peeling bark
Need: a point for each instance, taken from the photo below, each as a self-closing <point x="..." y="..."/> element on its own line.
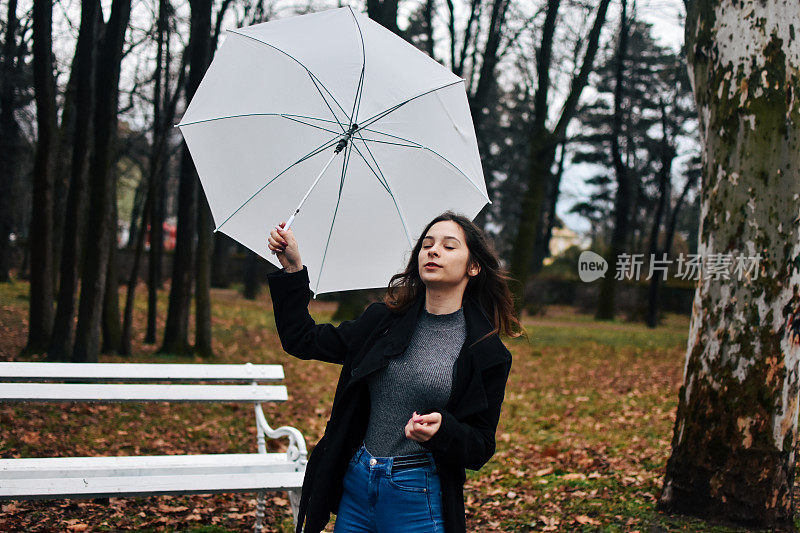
<point x="733" y="449"/>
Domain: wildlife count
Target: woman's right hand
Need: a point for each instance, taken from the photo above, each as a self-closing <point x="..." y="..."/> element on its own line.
<point x="282" y="243"/>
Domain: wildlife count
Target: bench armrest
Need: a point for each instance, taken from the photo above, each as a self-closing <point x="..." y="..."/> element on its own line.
<point x="296" y="451"/>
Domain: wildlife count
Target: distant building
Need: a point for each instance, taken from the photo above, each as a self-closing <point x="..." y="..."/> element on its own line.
<point x="562" y="239"/>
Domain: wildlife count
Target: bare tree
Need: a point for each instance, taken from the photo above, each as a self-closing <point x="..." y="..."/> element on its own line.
<point x="184" y="262"/>
<point x="9" y="138"/>
<point x="62" y="338"/>
<point x="623" y="196"/>
<point x="164" y="105"/>
<point x="101" y="227"/>
<point x="41" y="230"/>
<point x="544" y="141"/>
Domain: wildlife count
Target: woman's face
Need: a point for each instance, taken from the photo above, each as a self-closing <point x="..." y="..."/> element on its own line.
<point x="444" y="257"/>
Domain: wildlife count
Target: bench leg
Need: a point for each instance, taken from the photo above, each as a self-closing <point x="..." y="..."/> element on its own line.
<point x="260" y="506"/>
<point x="294" y="500"/>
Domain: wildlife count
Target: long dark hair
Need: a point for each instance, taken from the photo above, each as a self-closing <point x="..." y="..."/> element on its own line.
<point x="489" y="287"/>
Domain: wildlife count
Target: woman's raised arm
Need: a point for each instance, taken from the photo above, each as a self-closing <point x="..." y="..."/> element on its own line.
<point x="300" y="336"/>
<point x="305" y="339"/>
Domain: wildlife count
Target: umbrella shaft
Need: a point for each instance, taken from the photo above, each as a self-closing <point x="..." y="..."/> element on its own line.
<point x="291" y="218"/>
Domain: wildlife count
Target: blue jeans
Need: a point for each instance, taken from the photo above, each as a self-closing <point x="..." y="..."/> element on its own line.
<point x="377" y="499"/>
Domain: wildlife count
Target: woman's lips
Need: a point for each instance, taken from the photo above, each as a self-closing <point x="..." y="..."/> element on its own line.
<point x="431" y="265"/>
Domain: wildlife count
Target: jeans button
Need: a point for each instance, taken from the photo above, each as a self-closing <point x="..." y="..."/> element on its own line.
<point x="373" y="461"/>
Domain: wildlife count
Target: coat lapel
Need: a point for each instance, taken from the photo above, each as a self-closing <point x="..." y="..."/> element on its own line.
<point x="396" y="336"/>
<point x="477" y="353"/>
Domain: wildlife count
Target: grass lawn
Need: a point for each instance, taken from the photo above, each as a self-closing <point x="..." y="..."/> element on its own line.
<point x="581" y="446"/>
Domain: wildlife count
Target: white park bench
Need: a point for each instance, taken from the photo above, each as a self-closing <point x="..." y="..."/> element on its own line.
<point x="95" y="477"/>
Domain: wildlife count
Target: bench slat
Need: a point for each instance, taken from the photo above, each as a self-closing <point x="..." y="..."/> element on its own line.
<point x="96" y="487"/>
<point x="83" y="392"/>
<point x="147" y="465"/>
<point x="135" y="371"/>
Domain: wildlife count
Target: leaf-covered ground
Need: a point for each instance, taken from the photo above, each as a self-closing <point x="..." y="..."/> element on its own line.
<point x="581" y="445"/>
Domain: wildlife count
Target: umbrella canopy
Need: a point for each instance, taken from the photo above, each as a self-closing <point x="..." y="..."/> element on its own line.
<point x="277" y="100"/>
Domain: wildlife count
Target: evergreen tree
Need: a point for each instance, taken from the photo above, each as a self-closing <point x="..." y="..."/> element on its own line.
<point x="656" y="126"/>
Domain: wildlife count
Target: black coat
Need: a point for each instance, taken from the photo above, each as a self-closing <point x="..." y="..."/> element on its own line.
<point x="466" y="437"/>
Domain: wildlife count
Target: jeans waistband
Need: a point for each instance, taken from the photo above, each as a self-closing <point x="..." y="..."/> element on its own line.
<point x="398" y="462"/>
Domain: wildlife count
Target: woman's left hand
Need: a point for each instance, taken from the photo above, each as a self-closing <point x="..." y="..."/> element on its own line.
<point x="422" y="427"/>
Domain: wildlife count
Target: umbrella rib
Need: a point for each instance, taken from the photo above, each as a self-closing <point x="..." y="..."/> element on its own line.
<point x="386" y="186"/>
<point x="311" y="118"/>
<point x="395" y="144"/>
<point x="415" y="144"/>
<point x="311" y="74"/>
<point x="314" y="152"/>
<point x="226" y="117"/>
<point x="290" y="117"/>
<point x="282" y="115"/>
<point x="375" y="118"/>
<point x="360" y="88"/>
<point x="346" y="160"/>
<point x="326" y="102"/>
<point x="379" y="177"/>
<point x="357" y="102"/>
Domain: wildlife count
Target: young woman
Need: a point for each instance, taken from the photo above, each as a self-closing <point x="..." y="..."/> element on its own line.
<point x="422" y="383"/>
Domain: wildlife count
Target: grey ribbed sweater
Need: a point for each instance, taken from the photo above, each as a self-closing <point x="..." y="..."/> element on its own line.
<point x="420" y="377"/>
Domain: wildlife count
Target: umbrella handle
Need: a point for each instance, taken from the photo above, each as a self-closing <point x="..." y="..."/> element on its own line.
<point x="288" y="223"/>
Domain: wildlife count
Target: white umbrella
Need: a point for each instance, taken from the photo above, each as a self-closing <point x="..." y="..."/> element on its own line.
<point x="277" y="101"/>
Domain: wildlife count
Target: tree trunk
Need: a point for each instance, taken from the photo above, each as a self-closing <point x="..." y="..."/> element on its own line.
<point x="550" y="215"/>
<point x="101" y="228"/>
<point x="154" y="260"/>
<point x="205" y="241"/>
<point x="61" y="342"/>
<point x="384" y="12"/>
<point x="220" y="261"/>
<point x="427" y="17"/>
<point x="252" y="283"/>
<point x="665" y="171"/>
<point x="622" y="200"/>
<point x="176" y="331"/>
<point x="9" y="140"/>
<point x="673" y="219"/>
<point x="158" y="159"/>
<point x="41" y="229"/>
<point x="112" y="328"/>
<point x="63" y="172"/>
<point x="733" y="448"/>
<point x="133" y="278"/>
<point x="139" y="200"/>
